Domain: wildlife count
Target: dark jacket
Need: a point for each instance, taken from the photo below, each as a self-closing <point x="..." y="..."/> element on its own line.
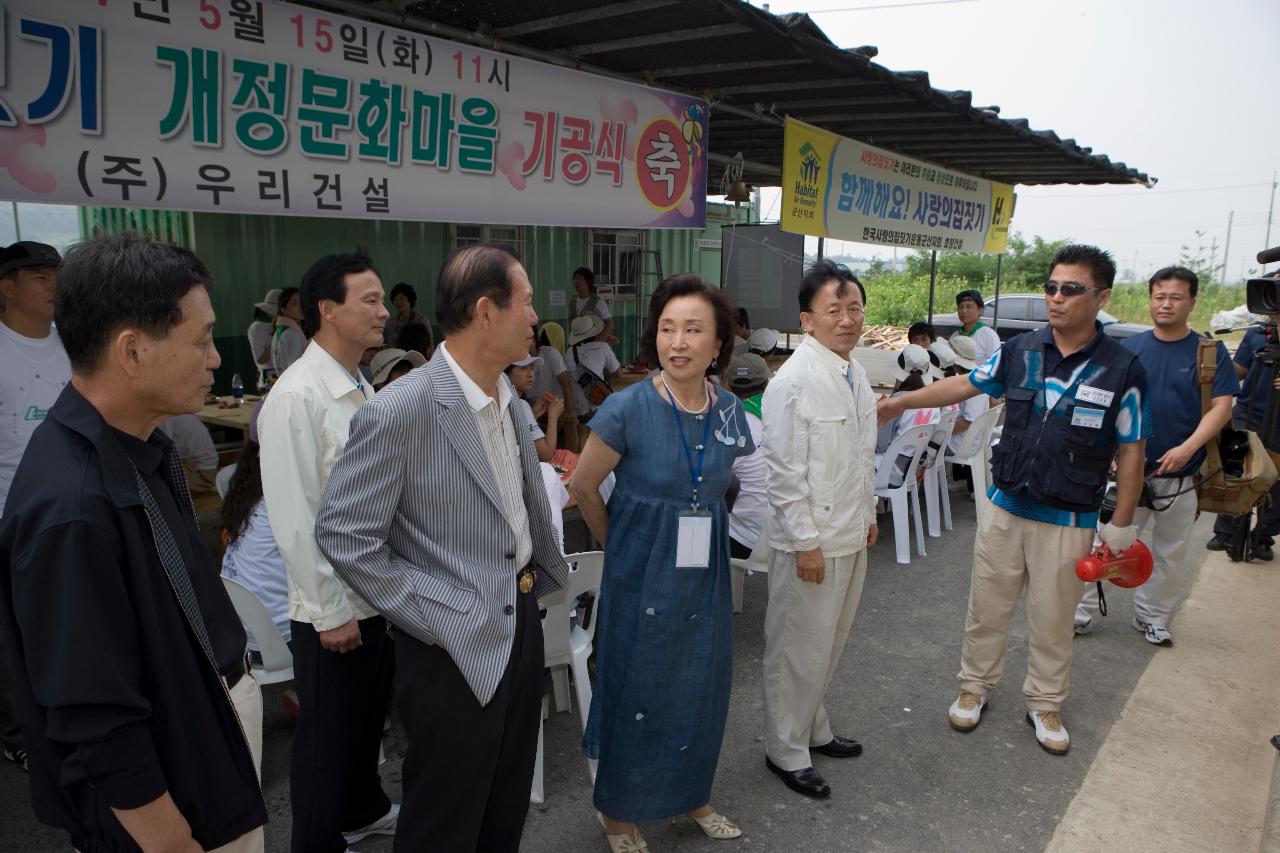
<point x="1061" y="456"/>
<point x="117" y="700"/>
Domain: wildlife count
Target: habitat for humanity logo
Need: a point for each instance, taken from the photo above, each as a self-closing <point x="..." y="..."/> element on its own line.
<point x="810" y="165"/>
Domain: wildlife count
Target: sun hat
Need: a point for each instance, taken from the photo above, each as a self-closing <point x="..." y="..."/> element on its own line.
<point x="913" y="359"/>
<point x="386" y="360"/>
<point x="585" y="328"/>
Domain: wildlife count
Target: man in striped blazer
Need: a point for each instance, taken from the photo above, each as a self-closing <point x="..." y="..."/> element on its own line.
<point x="437" y="515"/>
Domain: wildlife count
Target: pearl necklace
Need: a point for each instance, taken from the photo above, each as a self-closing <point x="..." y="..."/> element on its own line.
<point x="706" y="389"/>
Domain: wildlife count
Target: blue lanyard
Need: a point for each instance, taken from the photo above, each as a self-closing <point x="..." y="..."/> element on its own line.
<point x="695" y="474"/>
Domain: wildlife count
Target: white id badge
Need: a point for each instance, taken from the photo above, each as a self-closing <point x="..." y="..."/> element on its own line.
<point x="1089" y="394"/>
<point x="1088" y="418"/>
<point x="693" y="543"/>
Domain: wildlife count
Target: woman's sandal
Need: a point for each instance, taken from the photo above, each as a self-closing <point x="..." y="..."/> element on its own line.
<point x="624" y="843"/>
<point x="717" y="826"/>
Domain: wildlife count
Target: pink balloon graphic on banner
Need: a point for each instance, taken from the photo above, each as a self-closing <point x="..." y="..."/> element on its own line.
<point x="510" y="162"/>
<point x="22" y="154"/>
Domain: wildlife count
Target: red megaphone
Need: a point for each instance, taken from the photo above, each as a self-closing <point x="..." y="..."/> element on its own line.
<point x="1130" y="568"/>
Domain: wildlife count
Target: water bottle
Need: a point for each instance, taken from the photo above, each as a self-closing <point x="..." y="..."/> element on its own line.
<point x="237" y="388"/>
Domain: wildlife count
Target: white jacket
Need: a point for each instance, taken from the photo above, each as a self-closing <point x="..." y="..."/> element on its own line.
<point x="820" y="441"/>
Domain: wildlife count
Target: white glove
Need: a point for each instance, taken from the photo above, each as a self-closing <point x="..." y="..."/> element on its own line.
<point x="1118" y="538"/>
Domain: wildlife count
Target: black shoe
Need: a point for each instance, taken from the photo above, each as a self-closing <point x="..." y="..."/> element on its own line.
<point x="840" y="747"/>
<point x="1275" y="741"/>
<point x="807" y="781"/>
<point x="1261" y="551"/>
<point x="1218" y="543"/>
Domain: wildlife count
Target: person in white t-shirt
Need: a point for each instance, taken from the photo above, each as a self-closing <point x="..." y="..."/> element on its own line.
<point x="260" y="333"/>
<point x="588" y="354"/>
<point x="551" y="377"/>
<point x="33" y="365"/>
<point x="588" y="301"/>
<point x="521" y="375"/>
<point x="747" y="377"/>
<point x="33" y="371"/>
<point x="969" y="307"/>
<point x="289" y="340"/>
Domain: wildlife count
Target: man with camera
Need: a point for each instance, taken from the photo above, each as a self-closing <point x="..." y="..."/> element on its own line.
<point x="1074" y="402"/>
<point x="1250" y="413"/>
<point x="1169" y="354"/>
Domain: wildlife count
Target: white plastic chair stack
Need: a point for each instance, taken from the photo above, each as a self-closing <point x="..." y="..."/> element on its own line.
<point x="739" y="569"/>
<point x="935" y="472"/>
<point x="914" y="442"/>
<point x="222" y="480"/>
<point x="566" y="646"/>
<point x="975" y="451"/>
<point x="277" y="660"/>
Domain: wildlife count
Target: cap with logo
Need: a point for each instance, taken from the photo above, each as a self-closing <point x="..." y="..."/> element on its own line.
<point x="26" y="254"/>
<point x="747" y="372"/>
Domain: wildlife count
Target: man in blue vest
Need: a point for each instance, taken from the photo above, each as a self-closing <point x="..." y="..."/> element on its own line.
<point x="1074" y="403"/>
<point x="1170" y="354"/>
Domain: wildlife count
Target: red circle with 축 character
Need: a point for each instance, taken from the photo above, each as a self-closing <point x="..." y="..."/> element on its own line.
<point x="662" y="164"/>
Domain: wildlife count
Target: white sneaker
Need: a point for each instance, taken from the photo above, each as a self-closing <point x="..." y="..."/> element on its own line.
<point x="385" y="825"/>
<point x="966" y="712"/>
<point x="1083" y="627"/>
<point x="1157" y="635"/>
<point x="1050" y="733"/>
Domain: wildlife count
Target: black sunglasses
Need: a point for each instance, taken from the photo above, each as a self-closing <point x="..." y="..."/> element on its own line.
<point x="1069" y="289"/>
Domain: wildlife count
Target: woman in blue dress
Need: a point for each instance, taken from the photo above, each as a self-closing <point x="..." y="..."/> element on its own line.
<point x="665" y="645"/>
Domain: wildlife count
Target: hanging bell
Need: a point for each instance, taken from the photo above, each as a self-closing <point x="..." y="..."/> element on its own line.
<point x="738" y="193"/>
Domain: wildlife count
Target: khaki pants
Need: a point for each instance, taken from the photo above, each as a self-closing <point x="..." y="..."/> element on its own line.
<point x="805" y="629"/>
<point x="247" y="698"/>
<point x="1010" y="554"/>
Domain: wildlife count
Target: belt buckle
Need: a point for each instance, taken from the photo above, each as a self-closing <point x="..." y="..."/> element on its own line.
<point x="527" y="577"/>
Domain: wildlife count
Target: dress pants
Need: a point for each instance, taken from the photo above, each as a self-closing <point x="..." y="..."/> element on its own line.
<point x="805" y="629"/>
<point x="246" y="696"/>
<point x="333" y="776"/>
<point x="469" y="767"/>
<point x="1009" y="554"/>
<point x="1170" y="527"/>
<point x="10" y="732"/>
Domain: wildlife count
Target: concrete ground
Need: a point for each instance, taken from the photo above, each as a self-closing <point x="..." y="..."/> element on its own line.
<point x="1169" y="746"/>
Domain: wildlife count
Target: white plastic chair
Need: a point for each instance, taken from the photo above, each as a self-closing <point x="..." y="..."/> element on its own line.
<point x="739" y="569"/>
<point x="277" y="660"/>
<point x="935" y="472"/>
<point x="975" y="451"/>
<point x="222" y="480"/>
<point x="914" y="442"/>
<point x="566" y="646"/>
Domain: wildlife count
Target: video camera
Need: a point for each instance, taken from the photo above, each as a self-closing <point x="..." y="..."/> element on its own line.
<point x="1262" y="296"/>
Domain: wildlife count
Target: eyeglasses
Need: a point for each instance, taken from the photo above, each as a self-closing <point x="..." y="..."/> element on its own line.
<point x="1071" y="288"/>
<point x="853" y="312"/>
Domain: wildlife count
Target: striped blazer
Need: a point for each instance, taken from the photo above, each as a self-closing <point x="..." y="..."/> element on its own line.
<point x="413" y="520"/>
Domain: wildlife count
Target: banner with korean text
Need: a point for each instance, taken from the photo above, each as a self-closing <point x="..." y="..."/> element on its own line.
<point x="848" y="190"/>
<point x="252" y="106"/>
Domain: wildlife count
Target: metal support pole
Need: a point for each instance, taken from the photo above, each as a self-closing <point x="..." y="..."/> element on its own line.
<point x="995" y="311"/>
<point x="1227" y="247"/>
<point x="17" y="226"/>
<point x="821" y="242"/>
<point x="1271" y="208"/>
<point x="933" y="281"/>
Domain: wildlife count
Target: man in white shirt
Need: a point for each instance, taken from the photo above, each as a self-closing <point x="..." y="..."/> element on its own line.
<point x="342" y="660"/>
<point x="33" y="371"/>
<point x="820" y="437"/>
<point x="33" y="366"/>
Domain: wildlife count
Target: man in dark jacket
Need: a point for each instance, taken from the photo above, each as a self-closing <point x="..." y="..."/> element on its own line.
<point x="127" y="658"/>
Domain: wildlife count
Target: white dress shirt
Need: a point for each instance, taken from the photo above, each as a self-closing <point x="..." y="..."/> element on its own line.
<point x="498" y="436"/>
<point x="302" y="430"/>
<point x="820" y="441"/>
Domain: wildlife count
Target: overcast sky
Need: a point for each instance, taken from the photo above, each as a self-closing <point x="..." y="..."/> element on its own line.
<point x="1183" y="90"/>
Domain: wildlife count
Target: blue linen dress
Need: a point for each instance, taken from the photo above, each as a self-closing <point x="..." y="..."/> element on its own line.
<point x="664" y="649"/>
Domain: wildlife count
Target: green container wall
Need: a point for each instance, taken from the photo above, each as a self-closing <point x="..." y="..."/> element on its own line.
<point x="249" y="255"/>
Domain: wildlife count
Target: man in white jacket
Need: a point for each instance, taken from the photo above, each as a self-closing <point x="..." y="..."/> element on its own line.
<point x="820" y="437"/>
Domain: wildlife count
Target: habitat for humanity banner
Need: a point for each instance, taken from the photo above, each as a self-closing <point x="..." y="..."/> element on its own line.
<point x="264" y="107"/>
<point x="845" y="189"/>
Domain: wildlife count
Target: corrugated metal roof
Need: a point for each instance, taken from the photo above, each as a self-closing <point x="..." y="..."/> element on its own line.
<point x="755" y="67"/>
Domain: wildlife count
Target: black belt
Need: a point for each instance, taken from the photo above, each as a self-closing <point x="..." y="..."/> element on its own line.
<point x="527" y="577"/>
<point x="242" y="667"/>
